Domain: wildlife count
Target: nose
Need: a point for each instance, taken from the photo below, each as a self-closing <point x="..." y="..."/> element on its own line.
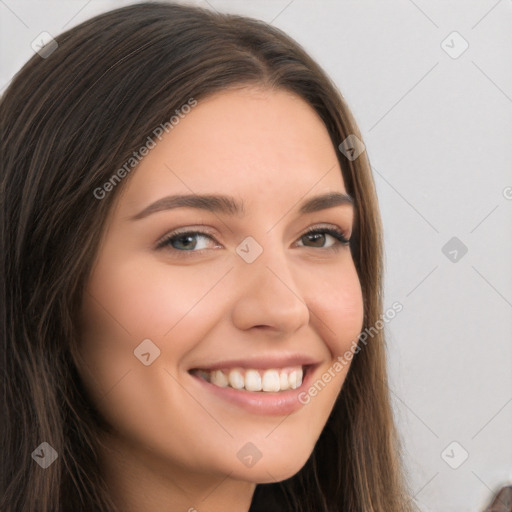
<point x="268" y="296"/>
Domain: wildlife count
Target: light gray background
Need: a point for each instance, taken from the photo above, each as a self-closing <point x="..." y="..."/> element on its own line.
<point x="438" y="134"/>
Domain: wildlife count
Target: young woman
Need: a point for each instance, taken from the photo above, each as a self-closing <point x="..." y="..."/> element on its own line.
<point x="191" y="265"/>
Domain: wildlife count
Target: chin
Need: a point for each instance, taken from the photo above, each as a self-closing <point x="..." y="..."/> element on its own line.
<point x="274" y="469"/>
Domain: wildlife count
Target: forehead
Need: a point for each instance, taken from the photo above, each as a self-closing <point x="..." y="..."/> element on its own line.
<point x="244" y="142"/>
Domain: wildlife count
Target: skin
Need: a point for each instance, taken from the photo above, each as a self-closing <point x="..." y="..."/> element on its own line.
<point x="173" y="445"/>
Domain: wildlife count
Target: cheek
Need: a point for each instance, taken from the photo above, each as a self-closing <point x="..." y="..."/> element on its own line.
<point x="337" y="311"/>
<point x="337" y="303"/>
<point x="136" y="300"/>
<point x="130" y="302"/>
<point x="148" y="299"/>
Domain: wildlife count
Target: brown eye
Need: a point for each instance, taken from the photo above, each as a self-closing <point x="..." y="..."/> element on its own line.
<point x="318" y="237"/>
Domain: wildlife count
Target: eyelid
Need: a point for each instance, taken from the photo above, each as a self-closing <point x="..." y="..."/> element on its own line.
<point x="336" y="232"/>
<point x="185" y="231"/>
<point x="341" y="235"/>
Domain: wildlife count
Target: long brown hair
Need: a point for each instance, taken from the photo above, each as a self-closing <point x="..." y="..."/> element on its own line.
<point x="67" y="121"/>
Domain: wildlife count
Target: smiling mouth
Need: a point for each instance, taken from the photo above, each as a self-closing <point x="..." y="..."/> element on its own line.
<point x="271" y="380"/>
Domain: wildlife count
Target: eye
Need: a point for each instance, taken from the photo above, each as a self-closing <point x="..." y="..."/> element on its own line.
<point x="318" y="236"/>
<point x="185" y="241"/>
<point x="195" y="241"/>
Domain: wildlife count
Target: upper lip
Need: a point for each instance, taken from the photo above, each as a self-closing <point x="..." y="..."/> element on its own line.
<point x="264" y="363"/>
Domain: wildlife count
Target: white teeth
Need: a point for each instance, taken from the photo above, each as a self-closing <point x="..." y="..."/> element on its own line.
<point x="236" y="379"/>
<point x="283" y="381"/>
<point x="293" y="379"/>
<point x="300" y="374"/>
<point x="272" y="380"/>
<point x="219" y="379"/>
<point x="252" y="380"/>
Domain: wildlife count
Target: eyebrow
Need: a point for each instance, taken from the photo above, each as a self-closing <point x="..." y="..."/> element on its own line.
<point x="229" y="206"/>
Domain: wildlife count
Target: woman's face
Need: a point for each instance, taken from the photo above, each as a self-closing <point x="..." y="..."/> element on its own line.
<point x="251" y="295"/>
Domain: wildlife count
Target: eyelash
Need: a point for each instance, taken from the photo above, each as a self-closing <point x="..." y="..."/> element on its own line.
<point x="336" y="233"/>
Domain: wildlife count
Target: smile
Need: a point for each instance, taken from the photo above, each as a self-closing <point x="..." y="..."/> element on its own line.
<point x="271" y="380"/>
<point x="273" y="390"/>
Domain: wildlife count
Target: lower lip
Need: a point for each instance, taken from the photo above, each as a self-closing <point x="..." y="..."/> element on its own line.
<point x="261" y="402"/>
